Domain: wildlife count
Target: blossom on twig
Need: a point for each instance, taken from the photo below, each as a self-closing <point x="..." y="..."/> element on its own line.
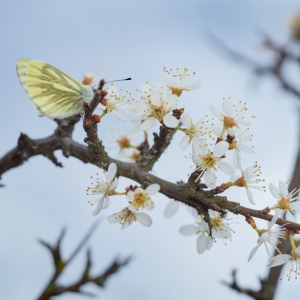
<point x="209" y="162"/>
<point x="105" y="189"/>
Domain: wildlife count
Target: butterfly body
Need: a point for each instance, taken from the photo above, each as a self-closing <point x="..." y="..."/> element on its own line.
<point x="54" y="93"/>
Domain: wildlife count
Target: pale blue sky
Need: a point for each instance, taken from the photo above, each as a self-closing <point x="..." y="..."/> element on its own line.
<point x="136" y="38"/>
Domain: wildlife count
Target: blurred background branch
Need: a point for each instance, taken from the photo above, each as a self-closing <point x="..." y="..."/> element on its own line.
<point x="54" y="289"/>
<point x="282" y="56"/>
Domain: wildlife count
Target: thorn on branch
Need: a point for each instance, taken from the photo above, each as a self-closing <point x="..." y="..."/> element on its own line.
<point x="52" y="157"/>
<point x="262" y="294"/>
<point x="113" y="268"/>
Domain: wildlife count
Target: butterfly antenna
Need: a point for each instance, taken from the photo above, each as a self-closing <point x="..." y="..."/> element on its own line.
<point x="129" y="78"/>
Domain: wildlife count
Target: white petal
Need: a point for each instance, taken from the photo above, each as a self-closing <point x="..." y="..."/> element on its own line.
<point x="99" y="206"/>
<point x="144" y="219"/>
<point x="215" y="111"/>
<point x="170" y="81"/>
<point x="130" y="196"/>
<point x="111" y="172"/>
<point x="228" y="107"/>
<point x="143" y="108"/>
<point x="279" y="260"/>
<point x="148" y="124"/>
<point x="226" y="168"/>
<point x="171" y="102"/>
<point x="234" y="178"/>
<point x="184" y="142"/>
<point x="236" y="158"/>
<point x="248" y="173"/>
<point x="192" y="85"/>
<point x="243" y="121"/>
<point x="203" y="226"/>
<point x="114" y="184"/>
<point x="274" y="191"/>
<point x="120" y="115"/>
<point x="217" y="128"/>
<point x="126" y="224"/>
<point x="231" y="131"/>
<point x="113" y="218"/>
<point x="295" y="205"/>
<point x="210" y="178"/>
<point x="145" y="89"/>
<point x="209" y="242"/>
<point x="201" y="243"/>
<point x="253" y="252"/>
<point x="290" y="217"/>
<point x="132" y="208"/>
<point x="199" y="145"/>
<point x="186" y="120"/>
<point x="283" y="188"/>
<point x="245" y="148"/>
<point x="106" y="202"/>
<point x="250" y="196"/>
<point x="274" y="219"/>
<point x="149" y="205"/>
<point x="170" y="121"/>
<point x="188" y="229"/>
<point x="171" y="209"/>
<point x="153" y="189"/>
<point x="220" y="149"/>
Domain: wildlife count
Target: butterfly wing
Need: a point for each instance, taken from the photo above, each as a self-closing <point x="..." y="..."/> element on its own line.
<point x="53" y="92"/>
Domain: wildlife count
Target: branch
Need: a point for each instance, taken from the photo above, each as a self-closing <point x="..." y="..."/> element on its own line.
<point x="52" y="289"/>
<point x="262" y="294"/>
<point x="268" y="286"/>
<point x="282" y="55"/>
<point x="161" y="142"/>
<point x="28" y="147"/>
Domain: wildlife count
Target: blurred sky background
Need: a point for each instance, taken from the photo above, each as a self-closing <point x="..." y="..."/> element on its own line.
<point x="118" y="39"/>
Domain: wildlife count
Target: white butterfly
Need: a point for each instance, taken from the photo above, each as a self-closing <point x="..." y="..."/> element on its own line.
<point x="54" y="93"/>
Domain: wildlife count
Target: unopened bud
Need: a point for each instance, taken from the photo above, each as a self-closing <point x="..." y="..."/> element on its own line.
<point x="250" y="221"/>
<point x="87" y="123"/>
<point x="96" y="118"/>
<point x="103" y="101"/>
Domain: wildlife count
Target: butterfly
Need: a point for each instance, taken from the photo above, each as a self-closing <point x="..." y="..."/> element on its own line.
<point x="54" y="93"/>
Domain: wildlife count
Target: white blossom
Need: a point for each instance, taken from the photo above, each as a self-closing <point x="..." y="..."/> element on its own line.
<point x="181" y="82"/>
<point x="112" y="103"/>
<point x="138" y="200"/>
<point x="247" y="181"/>
<point x="192" y="130"/>
<point x="220" y="229"/>
<point x="200" y="228"/>
<point x="126" y="217"/>
<point x="269" y="236"/>
<point x="292" y="260"/>
<point x="157" y="107"/>
<point x="209" y="162"/>
<point x="231" y="118"/>
<point x="288" y="203"/>
<point x="104" y="189"/>
<point x="205" y="240"/>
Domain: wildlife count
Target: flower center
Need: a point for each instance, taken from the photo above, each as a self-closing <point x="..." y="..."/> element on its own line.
<point x="284" y="203"/>
<point x="232" y="145"/>
<point x="124" y="142"/>
<point x="209" y="161"/>
<point x="176" y="91"/>
<point x="140" y="199"/>
<point x="241" y="182"/>
<point x="229" y="122"/>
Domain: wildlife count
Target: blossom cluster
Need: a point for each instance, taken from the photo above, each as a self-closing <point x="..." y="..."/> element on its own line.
<point x="211" y="141"/>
